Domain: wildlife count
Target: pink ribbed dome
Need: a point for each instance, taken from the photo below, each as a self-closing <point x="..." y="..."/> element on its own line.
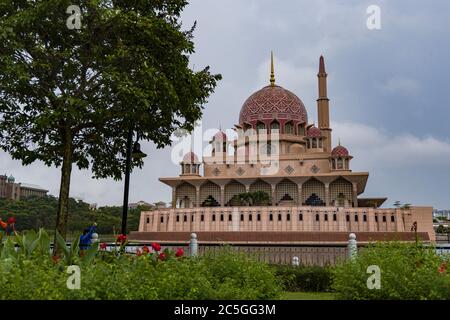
<point x="190" y="157"/>
<point x="340" y="151"/>
<point x="314" y="132"/>
<point x="273" y="102"/>
<point x="220" y="136"/>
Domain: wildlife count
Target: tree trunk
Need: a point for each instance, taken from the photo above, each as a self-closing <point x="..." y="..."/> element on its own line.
<point x="63" y="201"/>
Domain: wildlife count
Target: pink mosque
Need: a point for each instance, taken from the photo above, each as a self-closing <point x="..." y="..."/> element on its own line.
<point x="306" y="192"/>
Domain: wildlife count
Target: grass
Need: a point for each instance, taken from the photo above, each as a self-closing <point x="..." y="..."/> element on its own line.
<point x="307" y="296"/>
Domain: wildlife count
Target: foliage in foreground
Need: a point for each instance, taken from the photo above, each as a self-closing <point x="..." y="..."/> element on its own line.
<point x="408" y="271"/>
<point x="304" y="278"/>
<point x="31" y="273"/>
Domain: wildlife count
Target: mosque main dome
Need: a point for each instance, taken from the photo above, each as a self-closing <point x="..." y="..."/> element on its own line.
<point x="270" y="103"/>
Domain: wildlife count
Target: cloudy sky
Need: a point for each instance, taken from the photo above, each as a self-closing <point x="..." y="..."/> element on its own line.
<point x="388" y="89"/>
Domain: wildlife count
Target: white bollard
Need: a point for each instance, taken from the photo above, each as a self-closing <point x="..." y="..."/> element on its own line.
<point x="94" y="238"/>
<point x="193" y="245"/>
<point x="295" y="261"/>
<point x="352" y="246"/>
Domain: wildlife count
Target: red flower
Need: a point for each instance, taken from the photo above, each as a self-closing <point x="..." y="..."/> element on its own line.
<point x="103" y="246"/>
<point x="145" y="249"/>
<point x="121" y="238"/>
<point x="11" y="220"/>
<point x="162" y="256"/>
<point x="156" y="246"/>
<point x="55" y="259"/>
<point x="179" y="253"/>
<point x="138" y="252"/>
<point x="443" y="267"/>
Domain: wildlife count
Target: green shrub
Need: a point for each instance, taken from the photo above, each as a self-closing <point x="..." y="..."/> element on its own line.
<point x="31" y="273"/>
<point x="235" y="275"/>
<point x="408" y="271"/>
<point x="304" y="278"/>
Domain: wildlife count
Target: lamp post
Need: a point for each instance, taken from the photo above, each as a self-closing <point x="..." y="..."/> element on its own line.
<point x="133" y="152"/>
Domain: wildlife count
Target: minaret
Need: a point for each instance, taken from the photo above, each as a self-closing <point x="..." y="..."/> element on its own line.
<point x="323" y="109"/>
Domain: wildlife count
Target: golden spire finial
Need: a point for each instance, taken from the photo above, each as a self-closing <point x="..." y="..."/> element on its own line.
<point x="272" y="73"/>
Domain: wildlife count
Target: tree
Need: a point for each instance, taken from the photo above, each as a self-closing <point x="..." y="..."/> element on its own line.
<point x="71" y="96"/>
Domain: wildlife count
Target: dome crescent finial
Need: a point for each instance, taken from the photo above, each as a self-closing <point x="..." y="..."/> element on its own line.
<point x="272" y="72"/>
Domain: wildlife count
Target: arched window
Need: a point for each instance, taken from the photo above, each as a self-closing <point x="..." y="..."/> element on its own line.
<point x="340" y="164"/>
<point x="288" y="128"/>
<point x="301" y="129"/>
<point x="314" y="143"/>
<point x="275" y="126"/>
<point x="260" y="126"/>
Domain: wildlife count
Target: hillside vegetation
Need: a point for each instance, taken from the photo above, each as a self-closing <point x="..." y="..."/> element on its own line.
<point x="35" y="213"/>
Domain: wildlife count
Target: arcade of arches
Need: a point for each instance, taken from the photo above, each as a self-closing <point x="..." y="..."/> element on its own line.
<point x="339" y="192"/>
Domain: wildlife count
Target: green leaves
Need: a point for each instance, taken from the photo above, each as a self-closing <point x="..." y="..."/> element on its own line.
<point x="127" y="67"/>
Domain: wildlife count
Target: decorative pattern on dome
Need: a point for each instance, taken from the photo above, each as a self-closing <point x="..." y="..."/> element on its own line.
<point x="190" y="157"/>
<point x="339" y="151"/>
<point x="273" y="102"/>
<point x="220" y="136"/>
<point x="314" y="132"/>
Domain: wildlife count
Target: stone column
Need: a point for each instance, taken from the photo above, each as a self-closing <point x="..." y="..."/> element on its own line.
<point x="207" y="214"/>
<point x="341" y="215"/>
<point x="352" y="246"/>
<point x="294" y="219"/>
<point x="398" y="221"/>
<point x="197" y="196"/>
<point x="299" y="196"/>
<point x="222" y="197"/>
<point x="197" y="220"/>
<point x="172" y="218"/>
<point x="274" y="200"/>
<point x="193" y="245"/>
<point x="264" y="218"/>
<point x="174" y="197"/>
<point x="355" y="195"/>
<point x="155" y="220"/>
<point x="307" y="220"/>
<point x="327" y="194"/>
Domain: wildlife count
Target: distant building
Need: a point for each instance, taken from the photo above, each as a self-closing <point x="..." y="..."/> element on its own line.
<point x="9" y="189"/>
<point x="160" y="205"/>
<point x="140" y="204"/>
<point x="93" y="206"/>
<point x="441" y="213"/>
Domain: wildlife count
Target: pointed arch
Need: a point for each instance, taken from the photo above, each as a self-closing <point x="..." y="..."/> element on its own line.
<point x="313" y="193"/>
<point x="185" y="195"/>
<point x="341" y="192"/>
<point x="286" y="190"/>
<point x="231" y="189"/>
<point x="209" y="194"/>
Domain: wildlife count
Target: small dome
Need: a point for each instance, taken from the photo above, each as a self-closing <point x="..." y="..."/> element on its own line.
<point x="190" y="157"/>
<point x="11" y="178"/>
<point x="340" y="151"/>
<point x="220" y="136"/>
<point x="314" y="132"/>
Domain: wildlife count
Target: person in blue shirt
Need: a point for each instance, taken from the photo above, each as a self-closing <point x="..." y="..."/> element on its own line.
<point x="86" y="237"/>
